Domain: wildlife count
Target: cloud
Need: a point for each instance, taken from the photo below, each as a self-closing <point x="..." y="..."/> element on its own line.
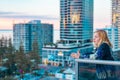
<point x="4" y="13"/>
<point x="18" y="15"/>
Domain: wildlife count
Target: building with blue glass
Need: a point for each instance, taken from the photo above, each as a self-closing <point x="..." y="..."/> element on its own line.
<point x="76" y="32"/>
<point x="27" y="33"/>
<point x="76" y="21"/>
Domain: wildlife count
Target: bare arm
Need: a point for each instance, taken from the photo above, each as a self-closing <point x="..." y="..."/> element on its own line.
<point x="75" y="55"/>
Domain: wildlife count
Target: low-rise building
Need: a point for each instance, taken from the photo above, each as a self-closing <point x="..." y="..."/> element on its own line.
<point x="67" y="74"/>
<point x="59" y="55"/>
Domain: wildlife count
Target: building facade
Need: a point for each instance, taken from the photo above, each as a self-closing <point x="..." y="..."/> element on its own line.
<point x="76" y="21"/>
<point x="27" y="33"/>
<point x="112" y="33"/>
<point x="60" y="55"/>
<point x="76" y="32"/>
<point x="116" y="17"/>
<point x="67" y="74"/>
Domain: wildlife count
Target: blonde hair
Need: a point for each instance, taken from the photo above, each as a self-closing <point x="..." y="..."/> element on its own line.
<point x="103" y="38"/>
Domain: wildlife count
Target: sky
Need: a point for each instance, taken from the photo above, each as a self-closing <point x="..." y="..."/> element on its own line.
<point x="48" y="11"/>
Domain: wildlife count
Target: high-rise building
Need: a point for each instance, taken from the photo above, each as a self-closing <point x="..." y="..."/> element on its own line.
<point x="76" y="21"/>
<point x="116" y="17"/>
<point x="27" y="33"/>
<point x="76" y="32"/>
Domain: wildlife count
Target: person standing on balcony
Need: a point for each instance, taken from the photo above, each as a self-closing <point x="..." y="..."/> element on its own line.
<point x="103" y="50"/>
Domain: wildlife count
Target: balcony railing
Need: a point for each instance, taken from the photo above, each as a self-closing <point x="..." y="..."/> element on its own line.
<point x="86" y="68"/>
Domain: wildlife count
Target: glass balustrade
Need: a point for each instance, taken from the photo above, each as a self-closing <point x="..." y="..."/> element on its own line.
<point x="87" y="69"/>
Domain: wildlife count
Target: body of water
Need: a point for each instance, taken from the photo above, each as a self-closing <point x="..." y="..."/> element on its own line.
<point x="6" y="33"/>
<point x="9" y="34"/>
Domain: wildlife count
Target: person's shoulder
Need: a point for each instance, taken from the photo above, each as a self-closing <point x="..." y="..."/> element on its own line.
<point x="104" y="45"/>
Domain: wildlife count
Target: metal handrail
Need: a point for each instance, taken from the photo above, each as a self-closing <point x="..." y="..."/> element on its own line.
<point x="106" y="62"/>
<point x="89" y="61"/>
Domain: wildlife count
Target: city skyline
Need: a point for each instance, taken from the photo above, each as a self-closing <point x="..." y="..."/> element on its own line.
<point x="46" y="11"/>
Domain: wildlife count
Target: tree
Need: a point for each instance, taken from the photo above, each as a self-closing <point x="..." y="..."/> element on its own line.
<point x="6" y="53"/>
<point x="8" y="78"/>
<point x="10" y="46"/>
<point x="10" y="53"/>
<point x="21" y="60"/>
<point x="3" y="48"/>
<point x="34" y="54"/>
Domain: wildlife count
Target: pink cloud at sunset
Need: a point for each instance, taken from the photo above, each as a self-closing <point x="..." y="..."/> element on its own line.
<point x="7" y="19"/>
<point x="7" y="23"/>
<point x="13" y="12"/>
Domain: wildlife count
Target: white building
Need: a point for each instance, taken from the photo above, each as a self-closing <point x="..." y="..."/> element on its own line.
<point x="68" y="74"/>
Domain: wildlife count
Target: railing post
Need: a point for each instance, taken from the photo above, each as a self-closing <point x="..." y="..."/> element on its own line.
<point x="76" y="70"/>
